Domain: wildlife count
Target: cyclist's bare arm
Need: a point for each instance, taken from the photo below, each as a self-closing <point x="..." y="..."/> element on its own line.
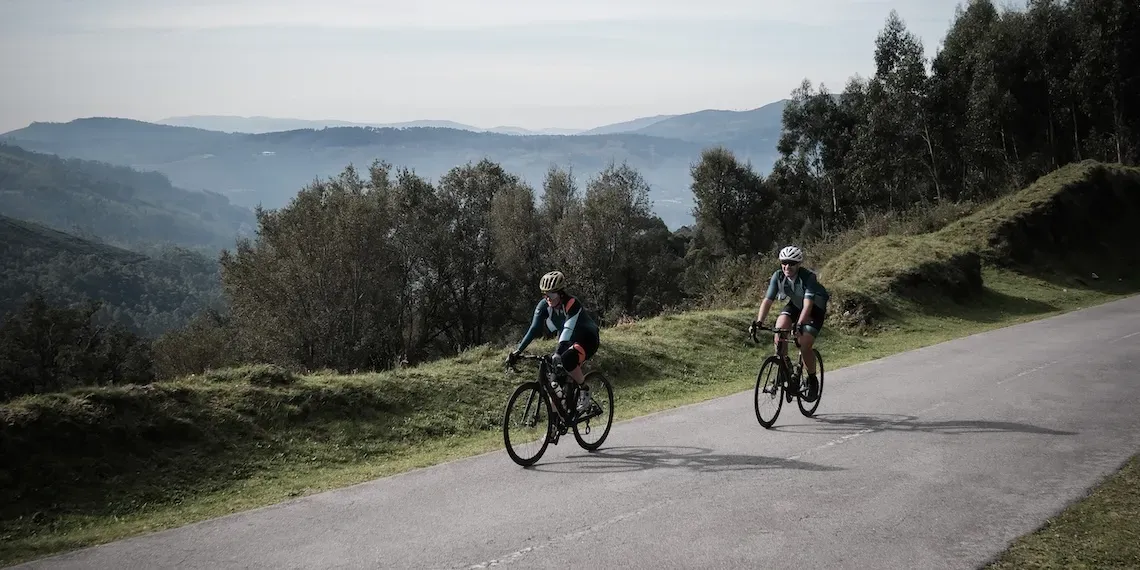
<point x="806" y="312"/>
<point x="765" y="306"/>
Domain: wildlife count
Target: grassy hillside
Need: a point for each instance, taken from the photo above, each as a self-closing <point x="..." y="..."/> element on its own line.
<point x="268" y="168"/>
<point x="128" y="460"/>
<point x="147" y="294"/>
<point x="1068" y="227"/>
<point x="115" y="204"/>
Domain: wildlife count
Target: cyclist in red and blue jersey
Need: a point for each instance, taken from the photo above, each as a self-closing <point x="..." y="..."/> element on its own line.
<point x="579" y="338"/>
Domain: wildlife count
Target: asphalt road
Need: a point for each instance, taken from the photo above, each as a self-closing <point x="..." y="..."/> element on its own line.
<point x="935" y="458"/>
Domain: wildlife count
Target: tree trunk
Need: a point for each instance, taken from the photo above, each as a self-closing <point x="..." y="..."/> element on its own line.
<point x="933" y="162"/>
<point x="1117" y="120"/>
<point x="1076" y="135"/>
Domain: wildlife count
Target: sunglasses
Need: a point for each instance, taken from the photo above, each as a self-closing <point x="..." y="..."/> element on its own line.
<point x="790" y="263"/>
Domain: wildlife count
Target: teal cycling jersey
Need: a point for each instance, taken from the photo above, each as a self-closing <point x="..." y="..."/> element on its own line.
<point x="569" y="316"/>
<point x="805" y="286"/>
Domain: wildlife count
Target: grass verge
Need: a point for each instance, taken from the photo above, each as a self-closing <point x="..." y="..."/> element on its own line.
<point x="1100" y="531"/>
<point x="132" y="460"/>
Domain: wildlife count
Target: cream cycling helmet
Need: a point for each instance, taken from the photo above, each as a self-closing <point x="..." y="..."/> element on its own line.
<point x="792" y="253"/>
<point x="553" y="281"/>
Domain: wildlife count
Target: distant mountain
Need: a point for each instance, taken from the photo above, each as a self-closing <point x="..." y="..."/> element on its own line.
<point x="262" y="125"/>
<point x="528" y="132"/>
<point x="626" y="126"/>
<point x="259" y="125"/>
<point x="115" y="204"/>
<point x="268" y="168"/>
<point x="720" y="127"/>
<point x="149" y="295"/>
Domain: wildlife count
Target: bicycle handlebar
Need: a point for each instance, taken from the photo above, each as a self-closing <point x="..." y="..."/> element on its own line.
<point x="762" y="327"/>
<point x="526" y="356"/>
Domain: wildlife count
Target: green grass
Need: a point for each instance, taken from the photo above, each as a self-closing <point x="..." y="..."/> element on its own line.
<point x="128" y="460"/>
<point x="1047" y="230"/>
<point x="1100" y="531"/>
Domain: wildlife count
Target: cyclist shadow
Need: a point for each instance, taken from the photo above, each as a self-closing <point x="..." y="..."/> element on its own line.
<point x="700" y="459"/>
<point x="850" y="423"/>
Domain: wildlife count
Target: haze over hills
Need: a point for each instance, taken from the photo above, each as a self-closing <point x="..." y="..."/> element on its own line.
<point x="149" y="294"/>
<point x="268" y="168"/>
<point x="261" y="125"/>
<point x="116" y="205"/>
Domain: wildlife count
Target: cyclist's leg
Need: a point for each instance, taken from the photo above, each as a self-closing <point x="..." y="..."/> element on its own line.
<point x="573" y="354"/>
<point x="811" y="331"/>
<point x="784" y="320"/>
<point x="580" y="349"/>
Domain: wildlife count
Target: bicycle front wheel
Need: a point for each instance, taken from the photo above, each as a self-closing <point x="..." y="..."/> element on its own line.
<point x="527" y="424"/>
<point x="593" y="430"/>
<point x="768" y="394"/>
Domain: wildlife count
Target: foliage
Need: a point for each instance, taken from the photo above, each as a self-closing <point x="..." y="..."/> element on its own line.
<point x="49" y="349"/>
<point x="114" y="204"/>
<point x="147" y="294"/>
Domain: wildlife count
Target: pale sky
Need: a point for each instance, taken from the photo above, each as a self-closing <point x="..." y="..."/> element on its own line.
<point x="528" y="63"/>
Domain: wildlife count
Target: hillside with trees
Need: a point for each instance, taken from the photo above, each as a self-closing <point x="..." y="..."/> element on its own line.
<point x="146" y="294"/>
<point x="372" y="268"/>
<point x="267" y="168"/>
<point x="115" y="204"/>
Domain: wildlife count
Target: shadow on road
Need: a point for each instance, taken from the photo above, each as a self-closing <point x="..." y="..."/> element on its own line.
<point x="850" y="423"/>
<point x="700" y="459"/>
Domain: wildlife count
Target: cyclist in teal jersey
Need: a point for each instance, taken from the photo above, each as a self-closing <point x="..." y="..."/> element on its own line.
<point x="579" y="339"/>
<point x="805" y="311"/>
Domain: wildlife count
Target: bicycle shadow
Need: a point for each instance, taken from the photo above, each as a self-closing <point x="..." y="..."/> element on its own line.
<point x="643" y="458"/>
<point x="850" y="423"/>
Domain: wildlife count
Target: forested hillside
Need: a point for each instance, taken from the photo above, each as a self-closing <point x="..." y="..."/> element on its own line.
<point x="146" y="294"/>
<point x="114" y="204"/>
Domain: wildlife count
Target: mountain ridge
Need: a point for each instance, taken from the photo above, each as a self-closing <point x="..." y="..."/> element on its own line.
<point x="266" y="169"/>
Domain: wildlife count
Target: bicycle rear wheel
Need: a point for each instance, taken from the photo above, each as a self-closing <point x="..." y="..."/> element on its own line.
<point x="526" y="433"/>
<point x="809" y="409"/>
<point x="768" y="391"/>
<point x="599" y="413"/>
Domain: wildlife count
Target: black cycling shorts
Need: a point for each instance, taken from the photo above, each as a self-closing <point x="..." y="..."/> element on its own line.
<point x="577" y="350"/>
<point x="814" y="323"/>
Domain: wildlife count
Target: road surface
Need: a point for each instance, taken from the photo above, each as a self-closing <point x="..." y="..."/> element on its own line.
<point x="935" y="458"/>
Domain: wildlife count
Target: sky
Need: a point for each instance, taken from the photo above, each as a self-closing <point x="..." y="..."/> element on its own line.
<point x="526" y="63"/>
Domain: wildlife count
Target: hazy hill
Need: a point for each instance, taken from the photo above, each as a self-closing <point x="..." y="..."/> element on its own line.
<point x="148" y="294"/>
<point x="710" y="125"/>
<point x="116" y="204"/>
<point x="269" y="168"/>
<point x="260" y="125"/>
<point x="716" y="126"/>
<point x="626" y="126"/>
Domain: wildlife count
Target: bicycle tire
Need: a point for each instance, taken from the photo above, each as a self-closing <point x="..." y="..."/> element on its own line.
<point x="609" y="420"/>
<point x="761" y="378"/>
<point x="544" y="403"/>
<point x="809" y="411"/>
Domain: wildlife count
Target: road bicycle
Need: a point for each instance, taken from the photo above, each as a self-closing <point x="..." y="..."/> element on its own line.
<point x="553" y="386"/>
<point x="785" y="384"/>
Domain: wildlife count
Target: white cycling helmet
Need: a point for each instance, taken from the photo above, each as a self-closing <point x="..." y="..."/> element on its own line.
<point x="792" y="253"/>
